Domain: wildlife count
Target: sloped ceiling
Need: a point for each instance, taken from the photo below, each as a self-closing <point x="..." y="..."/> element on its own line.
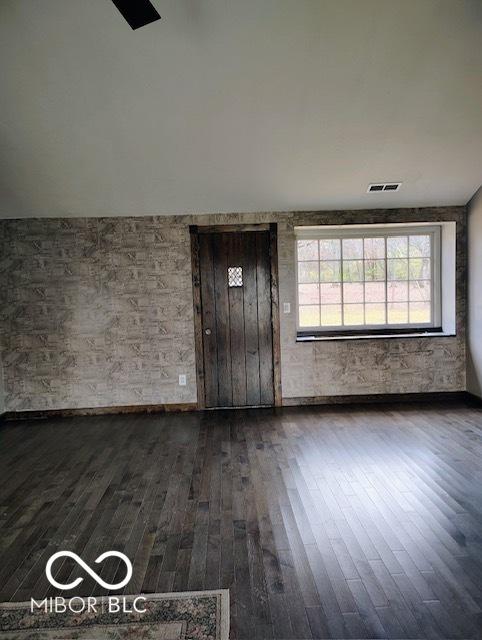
<point x="238" y="105"/>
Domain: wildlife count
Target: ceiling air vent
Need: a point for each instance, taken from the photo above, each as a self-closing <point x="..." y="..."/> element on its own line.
<point x="384" y="186"/>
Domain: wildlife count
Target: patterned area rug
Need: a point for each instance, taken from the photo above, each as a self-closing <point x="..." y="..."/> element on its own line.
<point x="197" y="615"/>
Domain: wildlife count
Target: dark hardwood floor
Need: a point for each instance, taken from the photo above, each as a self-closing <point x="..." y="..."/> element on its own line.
<point x="323" y="522"/>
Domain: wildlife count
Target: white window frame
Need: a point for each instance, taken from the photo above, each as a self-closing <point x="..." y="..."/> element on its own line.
<point x="372" y="231"/>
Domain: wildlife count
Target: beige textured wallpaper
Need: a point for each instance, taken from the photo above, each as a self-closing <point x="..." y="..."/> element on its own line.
<point x="98" y="312"/>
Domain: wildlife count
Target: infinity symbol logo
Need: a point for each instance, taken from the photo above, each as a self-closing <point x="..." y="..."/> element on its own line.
<point x="87" y="569"/>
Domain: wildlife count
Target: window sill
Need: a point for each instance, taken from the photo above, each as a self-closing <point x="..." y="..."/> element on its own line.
<point x="378" y="336"/>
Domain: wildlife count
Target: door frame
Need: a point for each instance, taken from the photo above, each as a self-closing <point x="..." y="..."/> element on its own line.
<point x="195" y="231"/>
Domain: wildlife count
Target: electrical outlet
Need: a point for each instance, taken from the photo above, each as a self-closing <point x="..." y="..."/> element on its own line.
<point x="286" y="307"/>
<point x="182" y="379"/>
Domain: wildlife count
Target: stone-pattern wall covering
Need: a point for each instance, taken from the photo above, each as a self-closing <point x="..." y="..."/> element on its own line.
<point x="98" y="312"/>
<point x="395" y="365"/>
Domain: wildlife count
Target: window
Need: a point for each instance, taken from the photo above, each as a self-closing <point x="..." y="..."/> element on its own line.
<point x="368" y="278"/>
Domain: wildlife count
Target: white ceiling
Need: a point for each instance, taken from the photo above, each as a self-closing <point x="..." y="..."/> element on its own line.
<point x="238" y="105"/>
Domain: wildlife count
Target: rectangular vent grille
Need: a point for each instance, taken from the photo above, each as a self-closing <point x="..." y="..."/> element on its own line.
<point x="383" y="186"/>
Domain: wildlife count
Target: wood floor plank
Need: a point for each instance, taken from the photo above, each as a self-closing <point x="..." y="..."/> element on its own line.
<point x="333" y="522"/>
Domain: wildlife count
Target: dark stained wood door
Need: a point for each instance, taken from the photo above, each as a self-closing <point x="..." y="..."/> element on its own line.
<point x="237" y="335"/>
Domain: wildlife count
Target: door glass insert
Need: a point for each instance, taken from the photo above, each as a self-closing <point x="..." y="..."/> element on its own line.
<point x="235" y="276"/>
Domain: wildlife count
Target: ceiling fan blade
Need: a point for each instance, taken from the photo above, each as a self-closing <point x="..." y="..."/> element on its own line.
<point x="137" y="12"/>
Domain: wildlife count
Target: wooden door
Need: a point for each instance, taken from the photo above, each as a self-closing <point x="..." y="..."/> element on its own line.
<point x="236" y="318"/>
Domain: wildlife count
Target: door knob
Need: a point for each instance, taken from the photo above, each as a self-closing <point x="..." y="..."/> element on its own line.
<point x="207" y="332"/>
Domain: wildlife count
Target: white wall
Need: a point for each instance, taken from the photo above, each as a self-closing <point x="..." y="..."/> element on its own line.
<point x="474" y="334"/>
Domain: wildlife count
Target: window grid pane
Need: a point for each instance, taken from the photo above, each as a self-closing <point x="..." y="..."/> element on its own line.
<point x="386" y="281"/>
<point x="342" y="256"/>
<point x="379" y="281"/>
<point x="364" y="280"/>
